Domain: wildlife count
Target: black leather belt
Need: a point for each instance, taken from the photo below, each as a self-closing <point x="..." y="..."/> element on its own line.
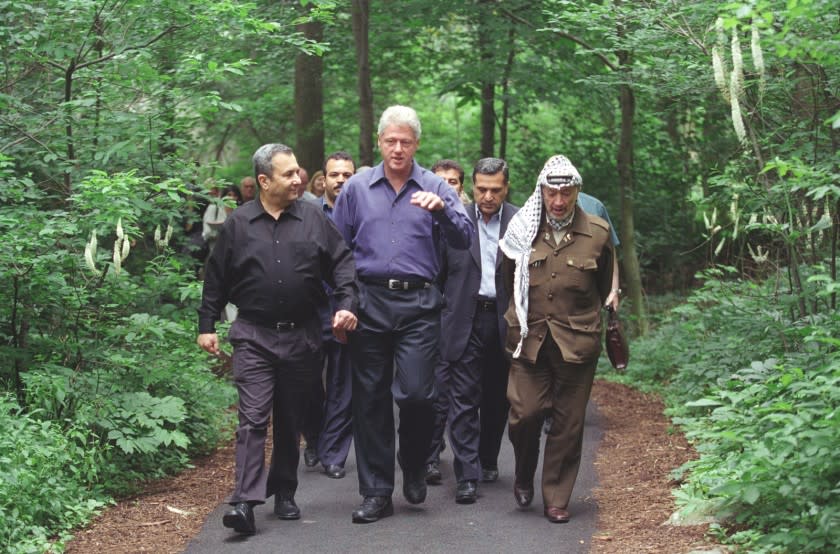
<point x="397" y="284"/>
<point x="276" y="325"/>
<point x="486" y="304"/>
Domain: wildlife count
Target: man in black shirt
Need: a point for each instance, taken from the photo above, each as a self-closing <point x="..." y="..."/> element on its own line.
<point x="269" y="260"/>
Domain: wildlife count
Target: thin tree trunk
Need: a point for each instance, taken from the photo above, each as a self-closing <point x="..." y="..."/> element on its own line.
<point x="68" y="126"/>
<point x="630" y="261"/>
<point x="488" y="84"/>
<point x="309" y="102"/>
<point x="503" y="127"/>
<point x="361" y="23"/>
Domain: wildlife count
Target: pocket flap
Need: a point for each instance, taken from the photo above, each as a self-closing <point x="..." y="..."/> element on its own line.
<point x="537" y="259"/>
<point x="589" y="323"/>
<point x="584" y="264"/>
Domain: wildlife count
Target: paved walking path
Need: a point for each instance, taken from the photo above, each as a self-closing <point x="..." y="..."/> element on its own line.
<point x="493" y="524"/>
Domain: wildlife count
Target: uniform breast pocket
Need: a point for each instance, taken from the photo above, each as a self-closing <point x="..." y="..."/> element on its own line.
<point x="538" y="272"/>
<point x="581" y="272"/>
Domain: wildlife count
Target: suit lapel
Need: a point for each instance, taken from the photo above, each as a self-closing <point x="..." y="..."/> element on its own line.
<point x="475" y="247"/>
<point x="507" y="214"/>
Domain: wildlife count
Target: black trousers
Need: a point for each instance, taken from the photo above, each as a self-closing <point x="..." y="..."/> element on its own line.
<point x="336" y="434"/>
<point x="268" y="363"/>
<point x="312" y="419"/>
<point x="478" y="406"/>
<point x="394" y="352"/>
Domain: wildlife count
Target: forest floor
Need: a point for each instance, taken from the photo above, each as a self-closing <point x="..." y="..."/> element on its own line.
<point x="638" y="451"/>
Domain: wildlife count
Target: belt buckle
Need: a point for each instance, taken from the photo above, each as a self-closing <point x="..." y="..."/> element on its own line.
<point x="284" y="325"/>
<point x="394" y="284"/>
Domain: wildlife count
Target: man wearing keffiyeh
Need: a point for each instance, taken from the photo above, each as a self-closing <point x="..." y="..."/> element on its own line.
<point x="559" y="262"/>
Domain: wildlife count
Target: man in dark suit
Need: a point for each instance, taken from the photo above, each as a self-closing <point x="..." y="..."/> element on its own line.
<point x="472" y="334"/>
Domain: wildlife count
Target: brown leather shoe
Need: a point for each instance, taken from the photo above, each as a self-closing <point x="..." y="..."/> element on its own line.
<point x="523" y="494"/>
<point x="556" y="515"/>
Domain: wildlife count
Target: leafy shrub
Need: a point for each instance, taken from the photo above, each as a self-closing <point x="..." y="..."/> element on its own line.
<point x="47" y="476"/>
<point x="769" y="453"/>
<point x="100" y="353"/>
<point x="758" y="394"/>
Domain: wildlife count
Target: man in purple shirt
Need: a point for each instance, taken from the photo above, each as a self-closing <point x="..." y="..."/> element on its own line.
<point x="395" y="217"/>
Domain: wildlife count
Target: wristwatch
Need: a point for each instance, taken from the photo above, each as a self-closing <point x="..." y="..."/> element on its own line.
<point x="618" y="292"/>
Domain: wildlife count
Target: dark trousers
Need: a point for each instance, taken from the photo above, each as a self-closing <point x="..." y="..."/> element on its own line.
<point x="337" y="431"/>
<point x="563" y="388"/>
<point x="441" y="408"/>
<point x="477" y="399"/>
<point x="269" y="364"/>
<point x="312" y="419"/>
<point x="394" y="352"/>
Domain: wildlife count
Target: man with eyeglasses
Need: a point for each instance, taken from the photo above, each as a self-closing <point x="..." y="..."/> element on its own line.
<point x="396" y="217"/>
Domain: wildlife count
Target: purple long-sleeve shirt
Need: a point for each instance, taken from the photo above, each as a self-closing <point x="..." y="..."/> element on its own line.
<point x="389" y="236"/>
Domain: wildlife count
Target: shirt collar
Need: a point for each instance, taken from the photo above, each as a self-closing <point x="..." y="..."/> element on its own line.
<point x="377" y="174"/>
<point x="497" y="215"/>
<point x="255" y="209"/>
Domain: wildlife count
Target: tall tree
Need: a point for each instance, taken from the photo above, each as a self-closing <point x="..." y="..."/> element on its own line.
<point x="309" y="100"/>
<point x="361" y="23"/>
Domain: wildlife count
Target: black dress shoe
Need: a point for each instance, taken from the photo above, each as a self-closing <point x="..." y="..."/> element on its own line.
<point x="373" y="508"/>
<point x="433" y="474"/>
<point x="285" y="508"/>
<point x="466" y="492"/>
<point x="489" y="475"/>
<point x="241" y="519"/>
<point x="310" y="456"/>
<point x="414" y="486"/>
<point x="334" y="471"/>
<point x="524" y="494"/>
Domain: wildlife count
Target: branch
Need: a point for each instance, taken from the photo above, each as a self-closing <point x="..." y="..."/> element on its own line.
<point x="29" y="136"/>
<point x="170" y="29"/>
<point x="565" y="35"/>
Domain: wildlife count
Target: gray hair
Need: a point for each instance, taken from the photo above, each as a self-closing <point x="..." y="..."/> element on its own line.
<point x="400" y="115"/>
<point x="263" y="156"/>
<point x="491" y="166"/>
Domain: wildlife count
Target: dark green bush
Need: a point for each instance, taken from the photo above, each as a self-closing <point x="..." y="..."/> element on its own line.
<point x="48" y="473"/>
<point x="97" y="350"/>
<point x="758" y="395"/>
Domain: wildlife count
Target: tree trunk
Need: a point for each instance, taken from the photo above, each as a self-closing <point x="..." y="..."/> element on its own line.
<point x="309" y="102"/>
<point x="361" y="22"/>
<point x="68" y="126"/>
<point x="503" y="127"/>
<point x="630" y="261"/>
<point x="488" y="84"/>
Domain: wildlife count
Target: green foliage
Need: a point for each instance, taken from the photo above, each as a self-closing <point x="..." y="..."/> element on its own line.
<point x="756" y="391"/>
<point x="768" y="452"/>
<point x="47" y="477"/>
<point x="98" y="352"/>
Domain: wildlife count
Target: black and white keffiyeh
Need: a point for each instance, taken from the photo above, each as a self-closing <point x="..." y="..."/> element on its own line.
<point x="558" y="172"/>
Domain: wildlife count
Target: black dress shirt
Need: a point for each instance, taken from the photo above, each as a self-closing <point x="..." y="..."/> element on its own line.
<point x="272" y="270"/>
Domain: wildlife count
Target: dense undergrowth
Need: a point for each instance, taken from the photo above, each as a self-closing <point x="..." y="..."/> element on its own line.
<point x="757" y="391"/>
<point x="101" y="383"/>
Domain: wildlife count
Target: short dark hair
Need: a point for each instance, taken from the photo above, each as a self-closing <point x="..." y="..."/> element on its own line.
<point x="491" y="166"/>
<point x="263" y="156"/>
<point x="232" y="189"/>
<point x="340" y="155"/>
<point x="449" y="164"/>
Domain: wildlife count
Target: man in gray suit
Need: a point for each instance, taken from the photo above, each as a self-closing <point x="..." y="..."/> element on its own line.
<point x="472" y="334"/>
